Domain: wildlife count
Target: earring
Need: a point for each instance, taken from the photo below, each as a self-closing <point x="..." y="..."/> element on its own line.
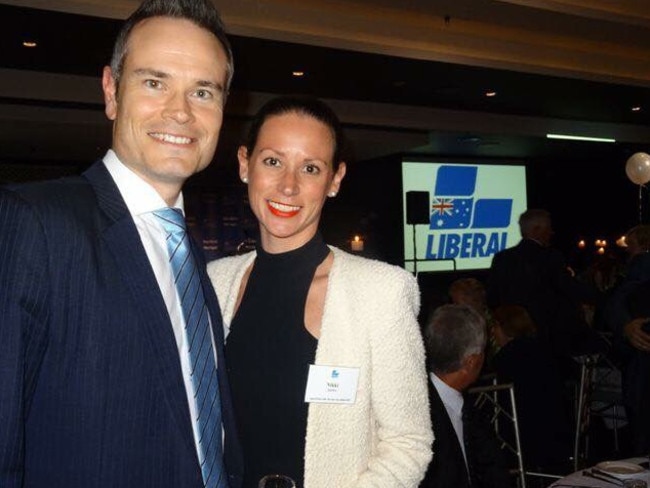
<point x="331" y="194"/>
<point x="245" y="179"/>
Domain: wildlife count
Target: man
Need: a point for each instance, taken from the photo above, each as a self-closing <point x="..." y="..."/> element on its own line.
<point x="96" y="380"/>
<point x="535" y="276"/>
<point x="465" y="450"/>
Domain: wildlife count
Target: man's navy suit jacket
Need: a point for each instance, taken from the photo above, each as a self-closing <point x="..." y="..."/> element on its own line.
<point x="487" y="468"/>
<point x="91" y="389"/>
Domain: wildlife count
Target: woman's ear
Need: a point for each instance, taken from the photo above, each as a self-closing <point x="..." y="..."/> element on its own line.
<point x="242" y="157"/>
<point x="338" y="177"/>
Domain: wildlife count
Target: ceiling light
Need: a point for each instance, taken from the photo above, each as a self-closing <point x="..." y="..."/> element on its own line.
<point x="490" y="93"/>
<point x="579" y="138"/>
<point x="298" y="74"/>
<point x="636" y="109"/>
<point x="29" y="44"/>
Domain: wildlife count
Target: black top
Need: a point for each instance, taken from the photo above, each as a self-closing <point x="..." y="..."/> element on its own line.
<point x="268" y="355"/>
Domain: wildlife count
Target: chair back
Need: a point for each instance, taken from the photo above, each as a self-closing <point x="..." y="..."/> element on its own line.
<point x="498" y="402"/>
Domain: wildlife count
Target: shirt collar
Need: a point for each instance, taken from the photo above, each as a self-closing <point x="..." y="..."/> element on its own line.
<point x="452" y="398"/>
<point x="140" y="197"/>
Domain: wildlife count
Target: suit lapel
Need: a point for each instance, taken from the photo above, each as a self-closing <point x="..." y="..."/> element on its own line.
<point x="441" y="421"/>
<point x="122" y="239"/>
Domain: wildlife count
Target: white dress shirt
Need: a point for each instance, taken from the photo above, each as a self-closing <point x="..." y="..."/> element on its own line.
<point x="141" y="200"/>
<point x="453" y="401"/>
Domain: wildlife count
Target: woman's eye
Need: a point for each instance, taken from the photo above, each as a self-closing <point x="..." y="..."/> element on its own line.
<point x="272" y="161"/>
<point x="312" y="169"/>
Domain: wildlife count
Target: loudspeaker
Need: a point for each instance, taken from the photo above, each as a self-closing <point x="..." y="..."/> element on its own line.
<point x="417" y="207"/>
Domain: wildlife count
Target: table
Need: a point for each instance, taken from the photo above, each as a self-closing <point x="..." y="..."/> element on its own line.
<point x="577" y="480"/>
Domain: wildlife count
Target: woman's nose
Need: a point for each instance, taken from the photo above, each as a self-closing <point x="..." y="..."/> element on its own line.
<point x="289" y="183"/>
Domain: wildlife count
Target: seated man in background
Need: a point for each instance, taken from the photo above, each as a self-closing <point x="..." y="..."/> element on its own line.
<point x="465" y="450"/>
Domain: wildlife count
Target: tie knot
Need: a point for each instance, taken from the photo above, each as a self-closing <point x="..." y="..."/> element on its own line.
<point x="171" y="219"/>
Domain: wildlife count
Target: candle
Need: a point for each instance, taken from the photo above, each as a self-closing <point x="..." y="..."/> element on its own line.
<point x="356" y="244"/>
<point x="581" y="244"/>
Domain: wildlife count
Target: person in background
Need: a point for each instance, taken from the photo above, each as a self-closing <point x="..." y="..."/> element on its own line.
<point x="96" y="381"/>
<point x="470" y="291"/>
<point x="534" y="275"/>
<point x="324" y="351"/>
<point x="465" y="451"/>
<point x="637" y="240"/>
<point x="544" y="421"/>
<point x="628" y="313"/>
<point x="637" y="271"/>
<point x="636" y="379"/>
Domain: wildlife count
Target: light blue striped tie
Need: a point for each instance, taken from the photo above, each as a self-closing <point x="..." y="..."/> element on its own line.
<point x="201" y="354"/>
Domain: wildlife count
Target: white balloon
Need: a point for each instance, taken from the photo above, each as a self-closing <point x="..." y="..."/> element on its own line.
<point x="637" y="168"/>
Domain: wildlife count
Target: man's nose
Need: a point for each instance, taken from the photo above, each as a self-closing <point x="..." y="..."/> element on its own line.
<point x="178" y="109"/>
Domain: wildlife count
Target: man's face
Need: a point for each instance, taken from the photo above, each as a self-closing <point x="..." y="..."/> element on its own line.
<point x="168" y="108"/>
<point x="544" y="232"/>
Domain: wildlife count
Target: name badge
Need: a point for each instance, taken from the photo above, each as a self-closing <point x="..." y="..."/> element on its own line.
<point x="331" y="384"/>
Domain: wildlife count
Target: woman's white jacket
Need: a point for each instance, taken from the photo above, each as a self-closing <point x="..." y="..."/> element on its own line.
<point x="369" y="322"/>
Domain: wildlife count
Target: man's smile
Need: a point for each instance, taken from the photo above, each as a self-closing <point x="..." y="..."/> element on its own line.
<point x="172" y="139"/>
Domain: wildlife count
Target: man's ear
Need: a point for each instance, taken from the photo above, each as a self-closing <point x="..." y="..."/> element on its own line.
<point x="109" y="86"/>
<point x="467" y="364"/>
<point x="472" y="366"/>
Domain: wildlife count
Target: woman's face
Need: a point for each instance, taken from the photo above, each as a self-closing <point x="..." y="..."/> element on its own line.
<point x="290" y="174"/>
<point x="498" y="335"/>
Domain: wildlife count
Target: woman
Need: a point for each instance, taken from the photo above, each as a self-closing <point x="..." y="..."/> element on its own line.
<point x="295" y="302"/>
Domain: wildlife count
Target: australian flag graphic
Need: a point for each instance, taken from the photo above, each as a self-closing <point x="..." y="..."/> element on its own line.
<point x="453" y="207"/>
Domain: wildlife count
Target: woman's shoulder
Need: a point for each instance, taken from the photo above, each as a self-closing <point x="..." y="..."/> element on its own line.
<point x="366" y="269"/>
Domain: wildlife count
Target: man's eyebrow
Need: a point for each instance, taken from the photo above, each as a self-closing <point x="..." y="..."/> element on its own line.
<point x="210" y="84"/>
<point x="151" y="72"/>
<point x="161" y="74"/>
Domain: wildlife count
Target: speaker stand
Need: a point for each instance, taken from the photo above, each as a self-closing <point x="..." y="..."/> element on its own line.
<point x="415" y="255"/>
